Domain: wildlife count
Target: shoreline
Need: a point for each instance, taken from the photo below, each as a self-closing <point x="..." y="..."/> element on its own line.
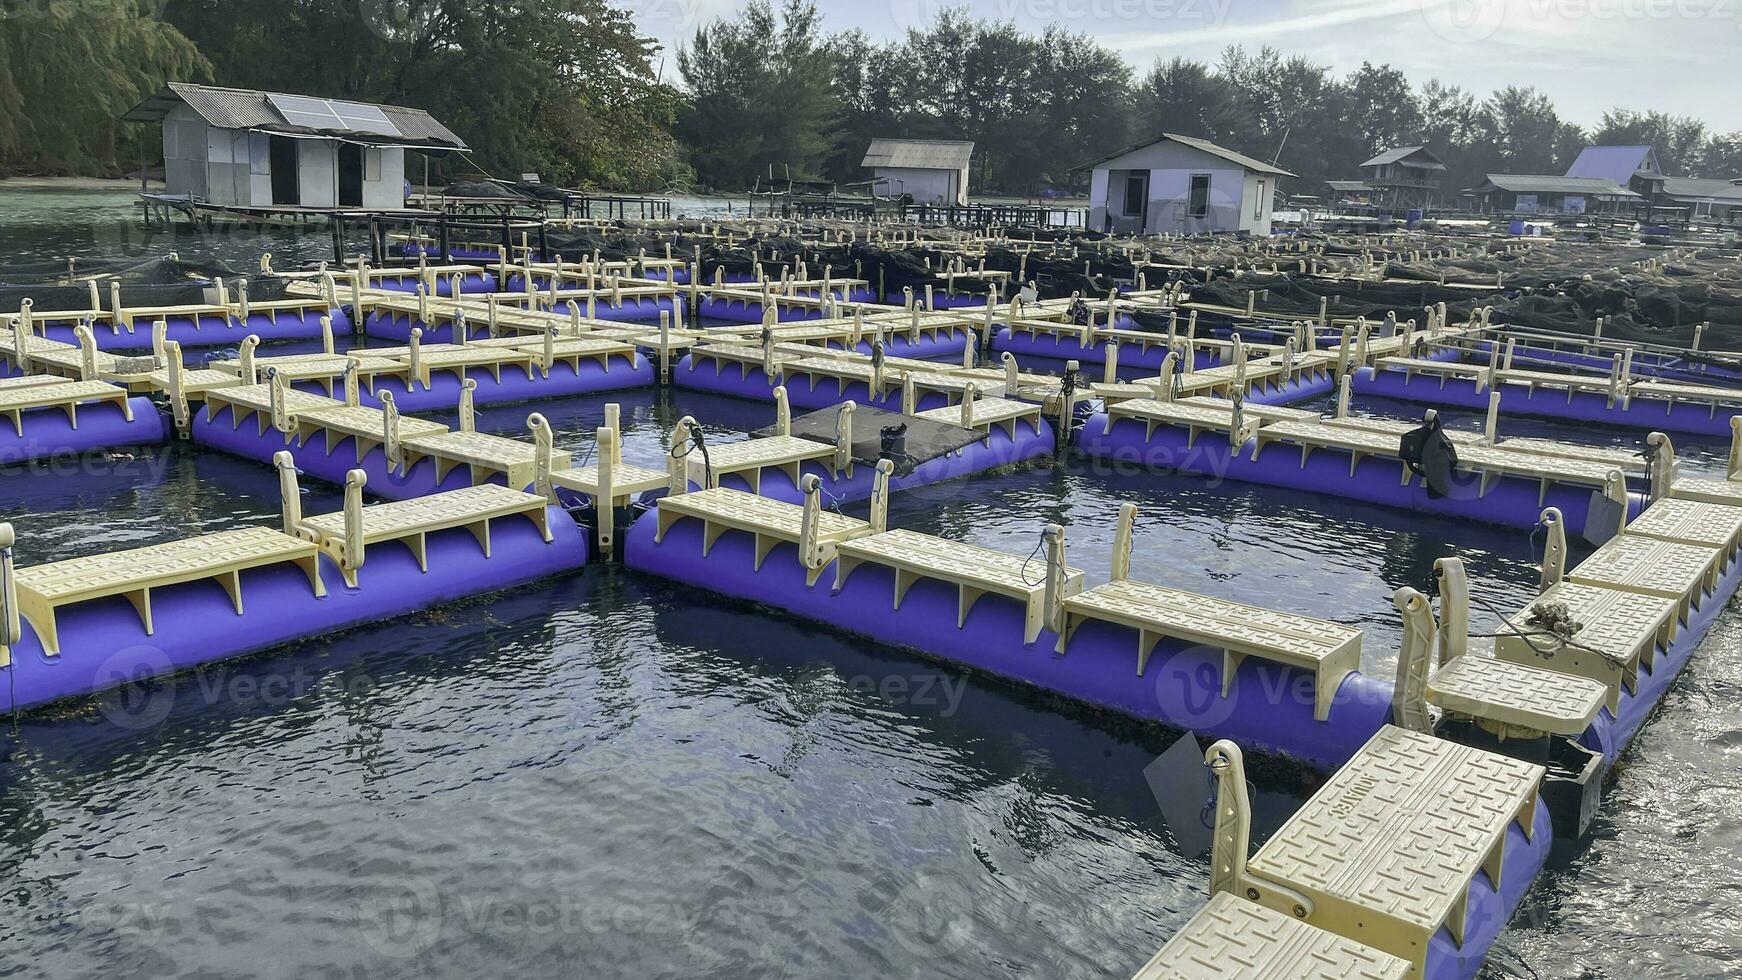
<point x="74" y="184"/>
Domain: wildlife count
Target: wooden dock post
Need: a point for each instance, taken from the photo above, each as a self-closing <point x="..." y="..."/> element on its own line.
<point x="844" y="438"/>
<point x="1660" y="469"/>
<point x="543" y="445"/>
<point x="177" y="393"/>
<point x="604" y="503"/>
<point x="289" y="493"/>
<point x="879" y="519"/>
<point x="351" y="557"/>
<point x="782" y="412"/>
<point x="1454" y="588"/>
<point x="11" y="632"/>
<point x="468" y="413"/>
<point x="1409" y="696"/>
<point x="390" y="430"/>
<point x="1554" y="550"/>
<point x="1122" y="542"/>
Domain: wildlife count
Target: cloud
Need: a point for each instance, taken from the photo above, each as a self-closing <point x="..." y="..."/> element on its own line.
<point x="1318" y="18"/>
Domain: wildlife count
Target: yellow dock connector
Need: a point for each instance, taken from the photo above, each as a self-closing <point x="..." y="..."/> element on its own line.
<point x="1696" y="522"/>
<point x="1683" y="573"/>
<point x="1326" y="650"/>
<point x="815" y="532"/>
<point x="974" y="572"/>
<point x="1408" y="808"/>
<point x="222" y="557"/>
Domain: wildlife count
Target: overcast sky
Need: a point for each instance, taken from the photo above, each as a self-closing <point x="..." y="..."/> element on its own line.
<point x="1678" y="56"/>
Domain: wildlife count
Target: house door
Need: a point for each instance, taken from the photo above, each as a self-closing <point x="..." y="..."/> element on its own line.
<point x="1136" y="203"/>
<point x="350" y="175"/>
<point x="285" y="183"/>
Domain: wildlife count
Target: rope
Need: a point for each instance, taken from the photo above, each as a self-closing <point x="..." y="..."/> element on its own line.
<point x="1030" y="559"/>
<point x="835" y="501"/>
<point x="1212" y="770"/>
<point x="697" y="443"/>
<point x="1510" y="630"/>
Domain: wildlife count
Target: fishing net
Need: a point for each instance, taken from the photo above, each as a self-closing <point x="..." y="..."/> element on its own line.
<point x="153" y="282"/>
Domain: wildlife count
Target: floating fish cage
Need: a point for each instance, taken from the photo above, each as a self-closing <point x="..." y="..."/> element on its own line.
<point x="1446" y="763"/>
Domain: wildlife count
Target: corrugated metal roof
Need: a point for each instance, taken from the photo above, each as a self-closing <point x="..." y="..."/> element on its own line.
<point x="1347" y="185"/>
<point x="240" y="108"/>
<point x="1554" y="184"/>
<point x="1256" y="166"/>
<point x="1615" y="163"/>
<point x="919" y="154"/>
<point x="1702" y="188"/>
<point x="1398" y="154"/>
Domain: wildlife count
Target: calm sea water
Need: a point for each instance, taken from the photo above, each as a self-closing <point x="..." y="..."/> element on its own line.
<point x="606" y="775"/>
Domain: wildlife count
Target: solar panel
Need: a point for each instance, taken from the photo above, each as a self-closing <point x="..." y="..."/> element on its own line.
<point x="306" y="112"/>
<point x="364" y="118"/>
<point x="332" y="115"/>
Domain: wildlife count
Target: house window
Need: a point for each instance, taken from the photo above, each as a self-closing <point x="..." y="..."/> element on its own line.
<point x="1258" y="202"/>
<point x="371" y="163"/>
<point x="1135" y="192"/>
<point x="1199" y="202"/>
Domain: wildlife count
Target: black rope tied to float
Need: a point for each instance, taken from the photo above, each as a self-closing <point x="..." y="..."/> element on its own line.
<point x="1212" y="777"/>
<point x="697" y="443"/>
<point x="1554" y="620"/>
<point x="1030" y="560"/>
<point x="1068" y="409"/>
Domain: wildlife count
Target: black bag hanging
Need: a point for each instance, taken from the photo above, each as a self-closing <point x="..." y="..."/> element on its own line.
<point x="1430" y="455"/>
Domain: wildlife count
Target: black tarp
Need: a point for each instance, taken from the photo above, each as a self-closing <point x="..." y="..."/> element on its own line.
<point x="927" y="439"/>
<point x="152" y="282"/>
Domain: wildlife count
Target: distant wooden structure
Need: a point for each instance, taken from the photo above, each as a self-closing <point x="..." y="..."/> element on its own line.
<point x="1403" y="177"/>
<point x="929" y="172"/>
<point x="259" y="155"/>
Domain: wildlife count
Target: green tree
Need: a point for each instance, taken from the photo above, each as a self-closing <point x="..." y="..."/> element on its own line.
<point x="68" y="71"/>
<point x="1681" y="141"/>
<point x="1522" y="126"/>
<point x="1383" y="111"/>
<point x="763" y="96"/>
<point x="562" y="87"/>
<point x="1185" y="97"/>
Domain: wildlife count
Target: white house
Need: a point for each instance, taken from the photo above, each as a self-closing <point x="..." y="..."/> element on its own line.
<point x="1181" y="185"/>
<point x="932" y="171"/>
<point x="241" y="148"/>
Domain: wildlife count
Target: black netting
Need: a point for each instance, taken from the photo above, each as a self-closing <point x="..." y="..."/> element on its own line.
<point x="153" y="282"/>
